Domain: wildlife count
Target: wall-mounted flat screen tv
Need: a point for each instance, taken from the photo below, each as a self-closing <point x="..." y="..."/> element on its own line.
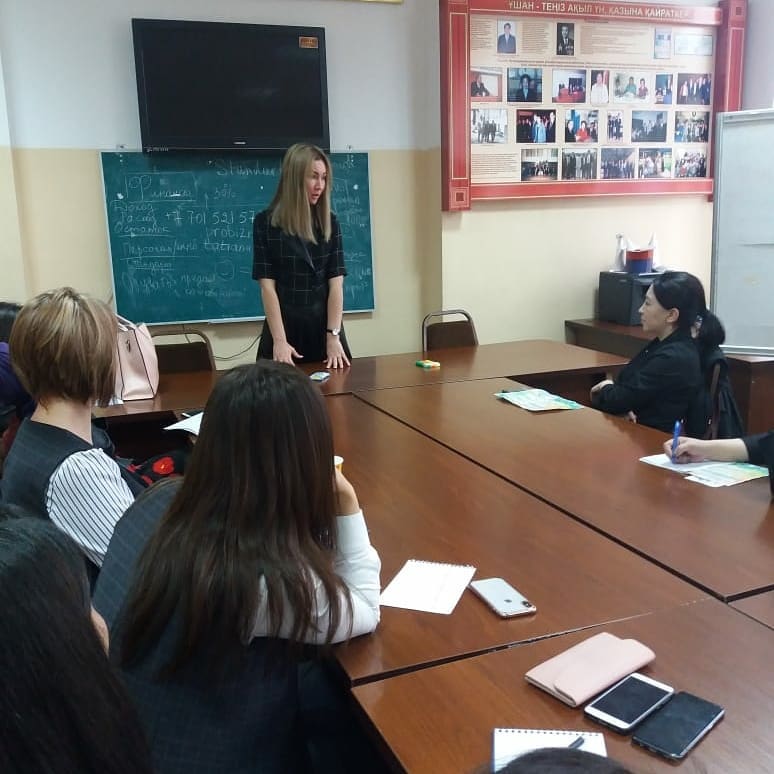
<point x="222" y="86"/>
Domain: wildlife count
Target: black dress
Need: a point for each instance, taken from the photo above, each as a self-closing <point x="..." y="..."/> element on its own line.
<point x="301" y="271"/>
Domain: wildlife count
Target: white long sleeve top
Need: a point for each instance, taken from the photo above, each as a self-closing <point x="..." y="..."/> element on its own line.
<point x="358" y="565"/>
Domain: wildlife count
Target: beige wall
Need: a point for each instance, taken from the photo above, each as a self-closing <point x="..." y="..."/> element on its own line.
<point x="13" y="286"/>
<point x="522" y="268"/>
<point x="64" y="239"/>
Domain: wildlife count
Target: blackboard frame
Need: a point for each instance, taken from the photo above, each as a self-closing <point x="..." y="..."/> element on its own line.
<point x="200" y="202"/>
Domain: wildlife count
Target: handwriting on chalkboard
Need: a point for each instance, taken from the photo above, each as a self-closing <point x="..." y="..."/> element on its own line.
<point x="180" y="229"/>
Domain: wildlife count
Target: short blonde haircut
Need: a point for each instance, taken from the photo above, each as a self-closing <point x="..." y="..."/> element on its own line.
<point x="63" y="345"/>
<point x="290" y="208"/>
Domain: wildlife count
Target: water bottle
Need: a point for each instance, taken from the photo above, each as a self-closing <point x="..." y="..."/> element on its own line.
<point x="620" y="253"/>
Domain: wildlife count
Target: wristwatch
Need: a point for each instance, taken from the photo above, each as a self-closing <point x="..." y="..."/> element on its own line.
<point x="333" y="331"/>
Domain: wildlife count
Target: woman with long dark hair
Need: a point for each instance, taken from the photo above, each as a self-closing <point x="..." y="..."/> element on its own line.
<point x="207" y="580"/>
<point x="61" y="706"/>
<point x="659" y="386"/>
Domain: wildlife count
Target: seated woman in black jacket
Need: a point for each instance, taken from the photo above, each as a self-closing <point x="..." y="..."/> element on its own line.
<point x="660" y="384"/>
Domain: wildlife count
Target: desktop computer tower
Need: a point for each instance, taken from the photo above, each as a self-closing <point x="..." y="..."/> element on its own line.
<point x="621" y="295"/>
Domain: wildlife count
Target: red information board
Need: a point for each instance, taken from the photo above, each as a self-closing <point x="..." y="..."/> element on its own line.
<point x="558" y="98"/>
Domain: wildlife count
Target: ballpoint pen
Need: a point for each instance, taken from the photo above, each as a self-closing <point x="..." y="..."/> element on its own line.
<point x="576" y="743"/>
<point x="676" y="437"/>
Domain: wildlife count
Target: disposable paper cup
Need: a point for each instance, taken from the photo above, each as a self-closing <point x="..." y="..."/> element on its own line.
<point x="338" y="462"/>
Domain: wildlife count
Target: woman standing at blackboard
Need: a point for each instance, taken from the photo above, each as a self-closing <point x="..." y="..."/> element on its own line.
<point x="299" y="261"/>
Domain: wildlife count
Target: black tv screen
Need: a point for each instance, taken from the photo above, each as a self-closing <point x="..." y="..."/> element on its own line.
<point x="217" y="86"/>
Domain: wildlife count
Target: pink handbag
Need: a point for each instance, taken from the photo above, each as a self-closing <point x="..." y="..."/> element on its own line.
<point x="137" y="366"/>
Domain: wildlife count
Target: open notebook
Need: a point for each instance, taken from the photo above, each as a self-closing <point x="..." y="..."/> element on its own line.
<point x="509" y="743"/>
<point x="433" y="587"/>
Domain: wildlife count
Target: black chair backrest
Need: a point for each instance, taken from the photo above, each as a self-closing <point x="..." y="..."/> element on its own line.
<point x="448" y="333"/>
<point x="186" y="356"/>
<point x="723" y="419"/>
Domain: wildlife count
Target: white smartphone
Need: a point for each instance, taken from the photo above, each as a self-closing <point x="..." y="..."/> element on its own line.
<point x="505" y="600"/>
<point x="629" y="701"/>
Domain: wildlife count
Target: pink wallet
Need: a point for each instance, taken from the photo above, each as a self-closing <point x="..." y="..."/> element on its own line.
<point x="589" y="667"/>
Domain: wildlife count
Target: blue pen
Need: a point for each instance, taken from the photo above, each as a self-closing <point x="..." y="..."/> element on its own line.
<point x="676" y="437"/>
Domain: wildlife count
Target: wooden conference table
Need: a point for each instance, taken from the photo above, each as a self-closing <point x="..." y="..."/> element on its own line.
<point x="586" y="464"/>
<point x="425" y="502"/>
<point x="760" y="607"/>
<point x="441" y="719"/>
<point x="552" y="365"/>
<point x="752" y="376"/>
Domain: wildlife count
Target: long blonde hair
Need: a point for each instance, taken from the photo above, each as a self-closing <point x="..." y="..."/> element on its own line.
<point x="290" y="208"/>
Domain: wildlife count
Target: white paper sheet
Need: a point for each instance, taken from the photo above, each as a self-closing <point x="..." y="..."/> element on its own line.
<point x="432" y="587"/>
<point x="189" y="424"/>
<point x="710" y="473"/>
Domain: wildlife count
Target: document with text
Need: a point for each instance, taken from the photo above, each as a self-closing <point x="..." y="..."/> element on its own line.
<point x="537" y="400"/>
<point x="709" y="472"/>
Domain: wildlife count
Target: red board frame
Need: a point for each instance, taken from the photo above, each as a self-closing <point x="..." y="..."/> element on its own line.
<point x="458" y="192"/>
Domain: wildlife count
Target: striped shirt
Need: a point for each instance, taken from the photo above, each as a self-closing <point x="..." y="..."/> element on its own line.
<point x="85" y="498"/>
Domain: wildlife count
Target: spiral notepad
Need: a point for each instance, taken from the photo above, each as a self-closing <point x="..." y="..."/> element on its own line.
<point x="433" y="587"/>
<point x="509" y="743"/>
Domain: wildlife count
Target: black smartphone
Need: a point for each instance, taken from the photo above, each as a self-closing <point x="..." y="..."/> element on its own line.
<point x="678" y="726"/>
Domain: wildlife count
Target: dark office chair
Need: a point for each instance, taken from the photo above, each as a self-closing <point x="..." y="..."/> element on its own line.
<point x="724" y="418"/>
<point x="185" y="356"/>
<point x="448" y="333"/>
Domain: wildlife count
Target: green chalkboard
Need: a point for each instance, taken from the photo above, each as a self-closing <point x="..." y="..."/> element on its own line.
<point x="181" y="234"/>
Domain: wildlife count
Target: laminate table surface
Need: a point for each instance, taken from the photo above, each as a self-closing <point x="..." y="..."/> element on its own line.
<point x="422" y="501"/>
<point x="759" y="606"/>
<point x="533" y="361"/>
<point x="177" y="392"/>
<point x="441" y="719"/>
<point x="586" y="463"/>
<point x="542" y="362"/>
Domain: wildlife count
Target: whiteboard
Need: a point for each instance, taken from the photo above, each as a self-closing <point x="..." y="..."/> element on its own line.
<point x="743" y="231"/>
